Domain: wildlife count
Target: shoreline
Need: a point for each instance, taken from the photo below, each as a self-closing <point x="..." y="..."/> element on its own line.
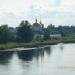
<point x="34" y="44"/>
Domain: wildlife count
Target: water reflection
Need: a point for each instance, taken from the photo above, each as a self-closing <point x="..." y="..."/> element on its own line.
<point x="39" y="53"/>
<point x="5" y="57"/>
<point x="26" y="55"/>
<point x="30" y="54"/>
<point x="41" y="61"/>
<point x="48" y="50"/>
<point x="61" y="47"/>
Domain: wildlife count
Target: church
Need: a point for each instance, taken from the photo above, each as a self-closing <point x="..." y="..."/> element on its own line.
<point x="38" y="30"/>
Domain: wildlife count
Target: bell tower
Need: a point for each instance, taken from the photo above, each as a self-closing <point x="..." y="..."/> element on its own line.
<point x="36" y="20"/>
<point x="40" y="22"/>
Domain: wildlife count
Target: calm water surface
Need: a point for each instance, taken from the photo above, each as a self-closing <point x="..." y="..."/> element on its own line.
<point x="53" y="60"/>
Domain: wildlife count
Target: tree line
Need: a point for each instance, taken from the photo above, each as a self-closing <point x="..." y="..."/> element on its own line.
<point x="24" y="32"/>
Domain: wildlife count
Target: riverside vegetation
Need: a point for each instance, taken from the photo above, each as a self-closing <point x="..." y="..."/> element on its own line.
<point x="22" y="36"/>
<point x="37" y="43"/>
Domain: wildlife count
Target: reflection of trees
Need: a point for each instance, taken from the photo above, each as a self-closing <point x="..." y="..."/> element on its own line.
<point x="61" y="47"/>
<point x="48" y="50"/>
<point x="5" y="56"/>
<point x="26" y="55"/>
<point x="29" y="54"/>
<point x="37" y="53"/>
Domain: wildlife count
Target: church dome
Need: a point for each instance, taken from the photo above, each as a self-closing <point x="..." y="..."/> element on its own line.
<point x="36" y="24"/>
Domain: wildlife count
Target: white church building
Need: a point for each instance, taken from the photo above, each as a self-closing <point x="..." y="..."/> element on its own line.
<point x="38" y="30"/>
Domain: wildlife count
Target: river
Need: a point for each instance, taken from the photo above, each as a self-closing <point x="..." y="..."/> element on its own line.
<point x="53" y="60"/>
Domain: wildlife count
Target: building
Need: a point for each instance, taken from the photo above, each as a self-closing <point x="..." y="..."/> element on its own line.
<point x="38" y="30"/>
<point x="55" y="36"/>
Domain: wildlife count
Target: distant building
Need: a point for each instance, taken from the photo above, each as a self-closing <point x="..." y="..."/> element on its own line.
<point x="38" y="30"/>
<point x="55" y="35"/>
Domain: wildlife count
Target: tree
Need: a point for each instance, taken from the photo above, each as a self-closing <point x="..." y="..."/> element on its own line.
<point x="12" y="34"/>
<point x="24" y="32"/>
<point x="46" y="34"/>
<point x="4" y="34"/>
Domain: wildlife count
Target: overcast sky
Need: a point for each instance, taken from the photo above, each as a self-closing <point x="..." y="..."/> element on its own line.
<point x="49" y="11"/>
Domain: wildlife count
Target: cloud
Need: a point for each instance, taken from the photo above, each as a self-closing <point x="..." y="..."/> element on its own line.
<point x="9" y="18"/>
<point x="50" y="11"/>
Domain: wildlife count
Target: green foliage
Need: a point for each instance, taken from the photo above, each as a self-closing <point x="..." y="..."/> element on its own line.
<point x="12" y="34"/>
<point x="46" y="34"/>
<point x="4" y="34"/>
<point x="24" y="32"/>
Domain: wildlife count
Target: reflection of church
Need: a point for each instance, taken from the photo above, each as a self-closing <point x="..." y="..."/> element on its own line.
<point x="38" y="30"/>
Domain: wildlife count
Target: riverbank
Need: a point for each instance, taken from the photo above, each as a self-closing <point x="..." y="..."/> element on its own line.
<point x="27" y="45"/>
<point x="36" y="43"/>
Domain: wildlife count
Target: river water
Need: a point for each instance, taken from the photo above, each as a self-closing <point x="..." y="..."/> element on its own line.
<point x="53" y="60"/>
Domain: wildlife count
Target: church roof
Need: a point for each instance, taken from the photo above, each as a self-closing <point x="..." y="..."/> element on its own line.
<point x="36" y="24"/>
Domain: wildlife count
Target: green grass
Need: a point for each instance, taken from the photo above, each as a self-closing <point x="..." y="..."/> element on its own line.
<point x="8" y="45"/>
<point x="38" y="43"/>
<point x="31" y="44"/>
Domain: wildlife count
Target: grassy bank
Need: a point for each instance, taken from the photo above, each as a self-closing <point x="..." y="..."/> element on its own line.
<point x="31" y="44"/>
<point x="38" y="43"/>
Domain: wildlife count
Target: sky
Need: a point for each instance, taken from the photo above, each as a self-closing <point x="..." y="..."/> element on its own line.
<point x="57" y="12"/>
